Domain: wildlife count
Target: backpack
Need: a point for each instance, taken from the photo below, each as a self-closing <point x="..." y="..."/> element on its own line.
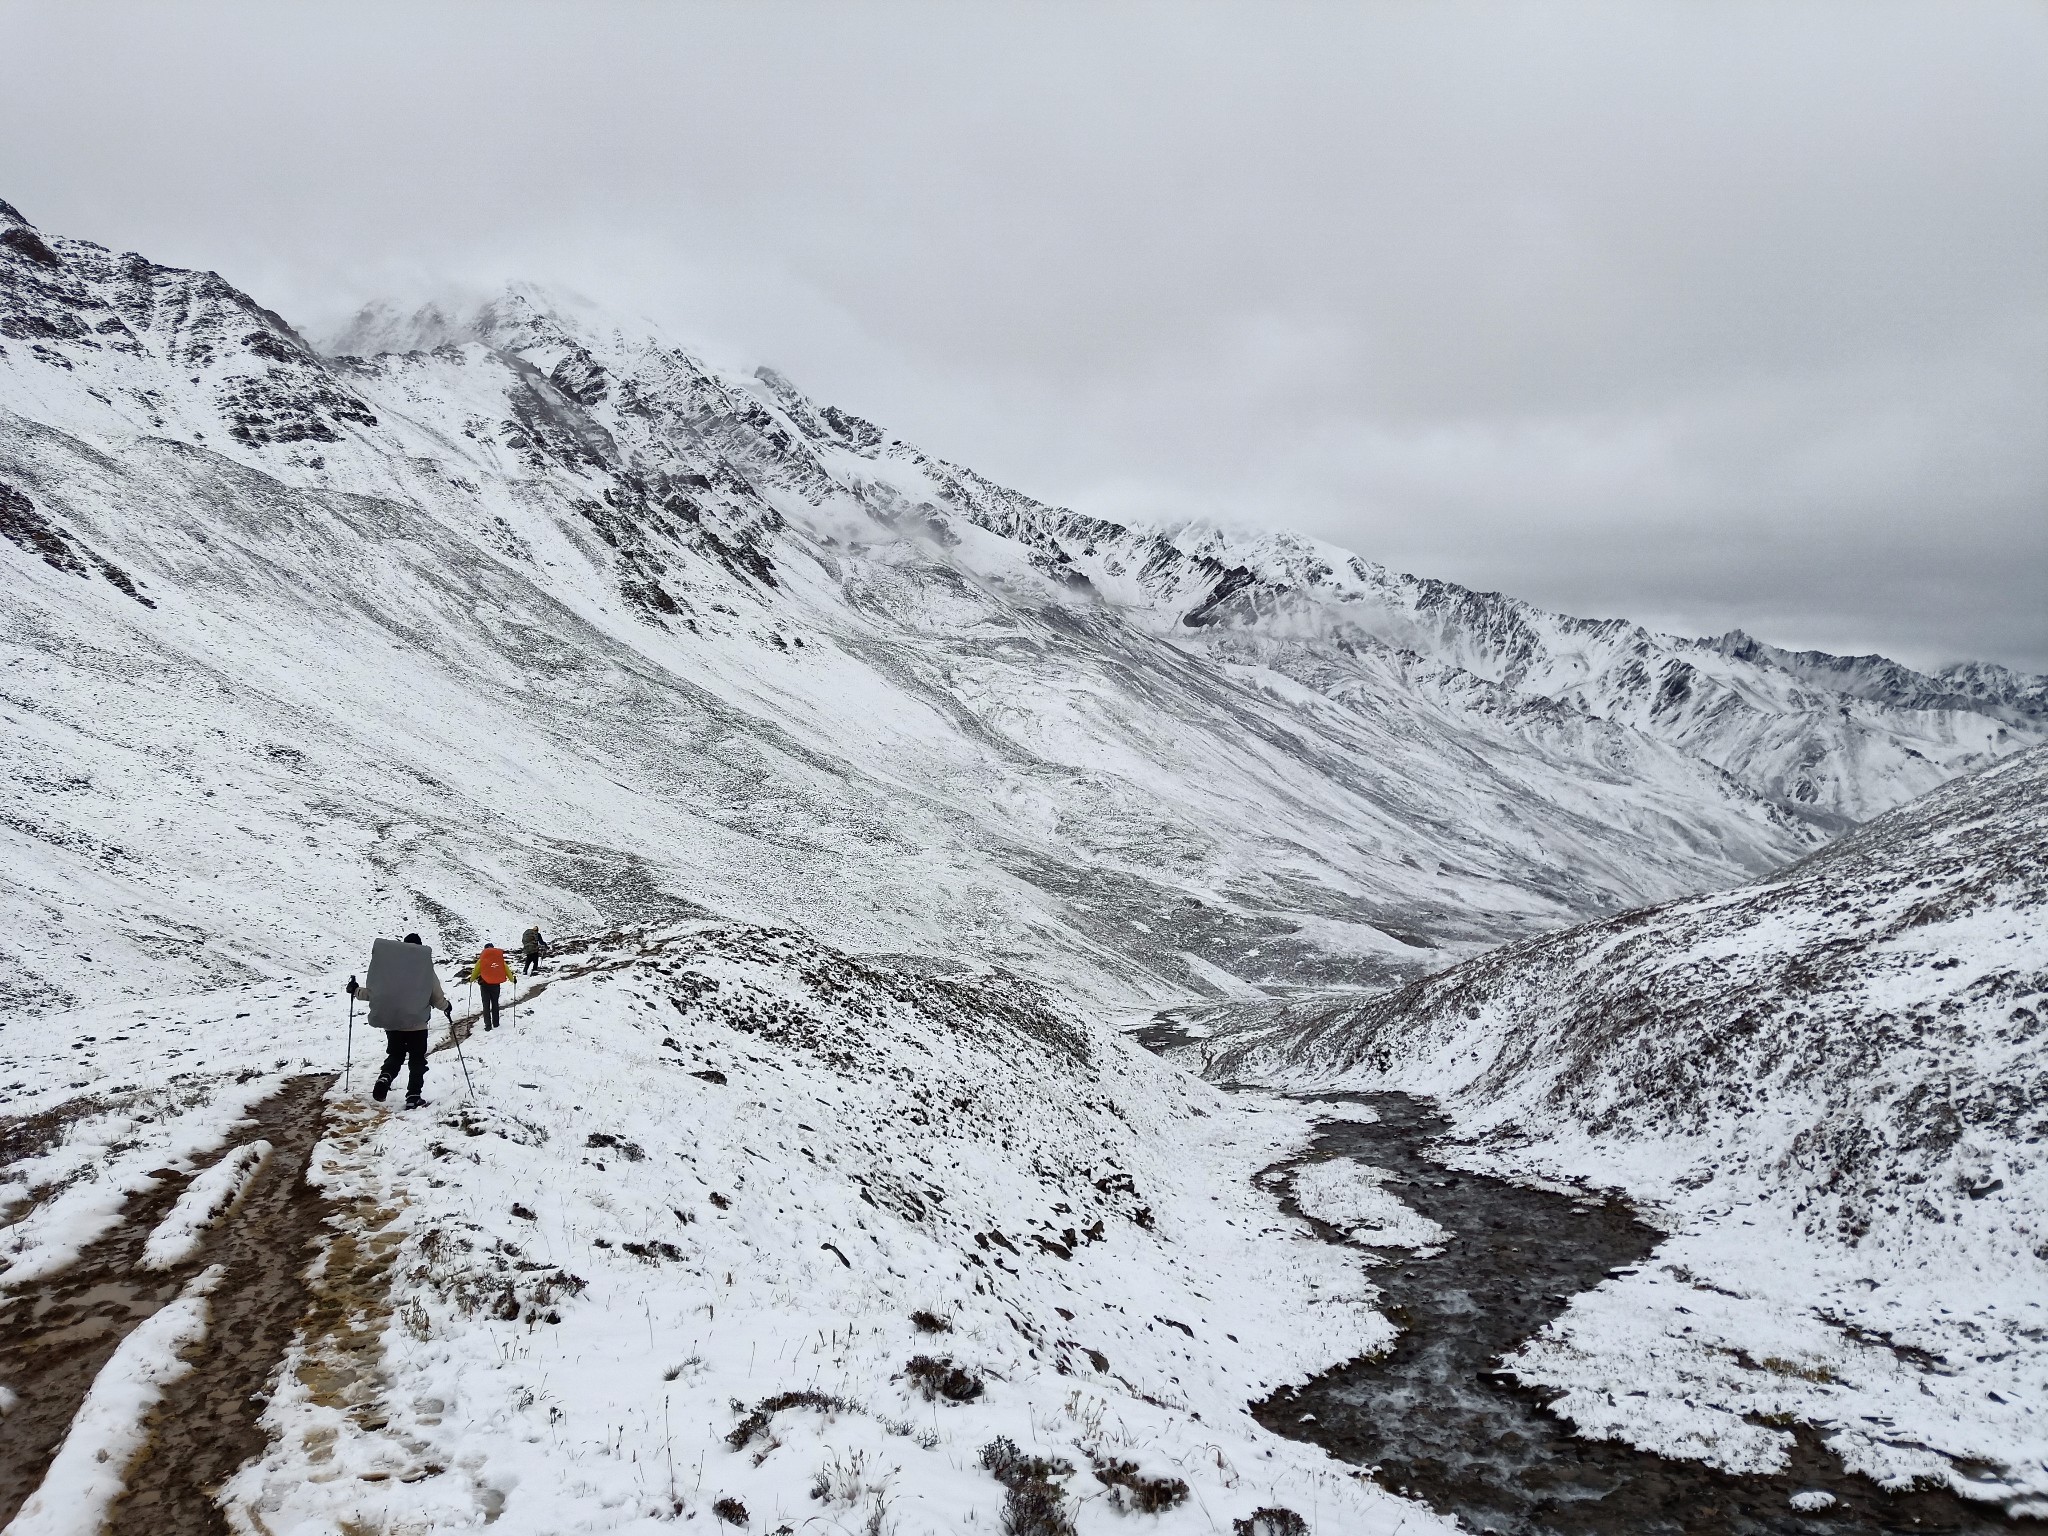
<point x="490" y="966"/>
<point x="401" y="983"/>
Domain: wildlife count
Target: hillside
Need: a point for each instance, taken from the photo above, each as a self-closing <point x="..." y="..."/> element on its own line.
<point x="732" y="1217"/>
<point x="1831" y="1087"/>
<point x="527" y="611"/>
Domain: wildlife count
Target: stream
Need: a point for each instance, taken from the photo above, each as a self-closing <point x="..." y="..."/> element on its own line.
<point x="1440" y="1424"/>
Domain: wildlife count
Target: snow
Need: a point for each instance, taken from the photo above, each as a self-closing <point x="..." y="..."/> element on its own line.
<point x="205" y="1200"/>
<point x="534" y="615"/>
<point x="87" y="1473"/>
<point x="1354" y="1196"/>
<point x="963" y="1106"/>
<point x="882" y="1145"/>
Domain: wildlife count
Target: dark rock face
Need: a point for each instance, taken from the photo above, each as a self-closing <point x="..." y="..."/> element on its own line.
<point x="28" y="243"/>
<point x="268" y="386"/>
<point x="22" y="524"/>
<point x="25" y="526"/>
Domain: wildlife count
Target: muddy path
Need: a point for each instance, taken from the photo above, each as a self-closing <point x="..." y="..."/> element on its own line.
<point x="1438" y="1423"/>
<point x="56" y="1336"/>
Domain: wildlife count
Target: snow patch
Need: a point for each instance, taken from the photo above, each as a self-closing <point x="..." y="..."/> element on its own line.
<point x="205" y="1200"/>
<point x="1354" y="1197"/>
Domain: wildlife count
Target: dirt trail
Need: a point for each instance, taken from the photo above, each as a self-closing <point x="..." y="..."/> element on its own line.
<point x="1437" y="1421"/>
<point x="208" y="1423"/>
<point x="56" y="1336"/>
<point x="348" y="1309"/>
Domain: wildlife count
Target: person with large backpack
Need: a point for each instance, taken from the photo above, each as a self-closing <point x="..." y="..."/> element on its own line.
<point x="530" y="945"/>
<point x="490" y="973"/>
<point x="402" y="991"/>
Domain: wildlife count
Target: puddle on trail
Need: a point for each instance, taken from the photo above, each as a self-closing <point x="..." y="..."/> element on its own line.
<point x="1440" y="1427"/>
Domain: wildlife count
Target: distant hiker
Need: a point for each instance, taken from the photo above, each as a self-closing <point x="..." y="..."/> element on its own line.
<point x="490" y="973"/>
<point x="402" y="992"/>
<point x="530" y="945"/>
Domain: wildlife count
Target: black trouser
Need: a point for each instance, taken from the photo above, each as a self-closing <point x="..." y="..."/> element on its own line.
<point x="532" y="962"/>
<point x="489" y="989"/>
<point x="402" y="1046"/>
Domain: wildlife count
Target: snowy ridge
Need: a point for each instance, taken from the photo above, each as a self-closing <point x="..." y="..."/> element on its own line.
<point x="710" y="1164"/>
<point x="532" y="612"/>
<point x="749" y="1162"/>
<point x="1832" y="1086"/>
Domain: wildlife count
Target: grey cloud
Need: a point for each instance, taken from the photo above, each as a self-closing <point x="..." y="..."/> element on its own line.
<point x="1714" y="315"/>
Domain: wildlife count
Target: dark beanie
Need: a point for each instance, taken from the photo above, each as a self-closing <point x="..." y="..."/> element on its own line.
<point x="412" y="938"/>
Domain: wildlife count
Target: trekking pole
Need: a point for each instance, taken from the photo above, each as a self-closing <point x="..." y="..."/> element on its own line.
<point x="463" y="1059"/>
<point x="349" y="1061"/>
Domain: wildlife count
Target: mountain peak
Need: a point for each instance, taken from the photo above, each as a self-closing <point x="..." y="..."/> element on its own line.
<point x="21" y="237"/>
<point x="513" y="318"/>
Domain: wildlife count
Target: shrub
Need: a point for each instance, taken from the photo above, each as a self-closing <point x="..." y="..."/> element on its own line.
<point x="940" y="1377"/>
<point x="757" y="1421"/>
<point x="1130" y="1488"/>
<point x="1270" y="1522"/>
<point x="730" y="1510"/>
<point x="1032" y="1505"/>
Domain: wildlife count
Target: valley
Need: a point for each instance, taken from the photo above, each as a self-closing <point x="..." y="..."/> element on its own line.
<point x="990" y="949"/>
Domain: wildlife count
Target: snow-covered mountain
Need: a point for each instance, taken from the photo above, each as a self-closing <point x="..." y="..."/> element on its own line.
<point x="1832" y="1086"/>
<point x="525" y="611"/>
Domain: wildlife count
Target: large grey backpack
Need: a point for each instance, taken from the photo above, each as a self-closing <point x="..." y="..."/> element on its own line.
<point x="401" y="985"/>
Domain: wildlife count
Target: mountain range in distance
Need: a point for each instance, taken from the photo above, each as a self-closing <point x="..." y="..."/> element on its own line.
<point x="527" y="612"/>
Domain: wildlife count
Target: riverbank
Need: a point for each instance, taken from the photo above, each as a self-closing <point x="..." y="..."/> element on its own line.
<point x="1440" y="1420"/>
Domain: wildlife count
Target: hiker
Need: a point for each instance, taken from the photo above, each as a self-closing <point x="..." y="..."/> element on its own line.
<point x="490" y="973"/>
<point x="530" y="945"/>
<point x="402" y="992"/>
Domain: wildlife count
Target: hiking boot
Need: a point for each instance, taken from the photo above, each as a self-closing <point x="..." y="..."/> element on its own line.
<point x="417" y="1103"/>
<point x="381" y="1090"/>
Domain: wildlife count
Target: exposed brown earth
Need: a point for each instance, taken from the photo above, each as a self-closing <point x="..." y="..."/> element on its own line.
<point x="56" y="1336"/>
<point x="208" y="1423"/>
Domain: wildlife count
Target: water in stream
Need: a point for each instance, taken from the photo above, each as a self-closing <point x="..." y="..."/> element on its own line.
<point x="1437" y="1422"/>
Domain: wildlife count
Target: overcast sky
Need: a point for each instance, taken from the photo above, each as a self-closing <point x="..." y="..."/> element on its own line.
<point x="1707" y="314"/>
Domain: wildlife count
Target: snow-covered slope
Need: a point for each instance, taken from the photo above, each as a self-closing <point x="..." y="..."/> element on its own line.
<point x="532" y="613"/>
<point x="719" y="1190"/>
<point x="1833" y="1086"/>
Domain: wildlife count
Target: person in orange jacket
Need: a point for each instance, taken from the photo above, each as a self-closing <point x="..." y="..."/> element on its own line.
<point x="490" y="972"/>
